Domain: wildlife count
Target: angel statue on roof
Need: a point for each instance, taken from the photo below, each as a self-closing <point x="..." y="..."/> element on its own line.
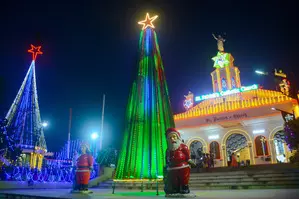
<point x="220" y="42"/>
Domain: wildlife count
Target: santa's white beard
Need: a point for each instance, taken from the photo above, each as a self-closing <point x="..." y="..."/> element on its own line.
<point x="174" y="146"/>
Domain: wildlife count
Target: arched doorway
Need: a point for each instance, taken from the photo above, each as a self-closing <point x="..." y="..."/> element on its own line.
<point x="196" y="150"/>
<point x="280" y="147"/>
<point x="237" y="144"/>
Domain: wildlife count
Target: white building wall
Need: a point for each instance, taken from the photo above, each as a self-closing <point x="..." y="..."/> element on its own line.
<point x="216" y="132"/>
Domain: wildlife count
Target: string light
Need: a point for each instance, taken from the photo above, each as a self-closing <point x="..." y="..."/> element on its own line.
<point x="270" y="98"/>
<point x="142" y="156"/>
<point x="46" y="174"/>
<point x="24" y="115"/>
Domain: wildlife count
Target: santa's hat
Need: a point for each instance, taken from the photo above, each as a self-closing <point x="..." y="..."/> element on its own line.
<point x="173" y="131"/>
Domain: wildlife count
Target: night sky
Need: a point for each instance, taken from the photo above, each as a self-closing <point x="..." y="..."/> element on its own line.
<point x="91" y="48"/>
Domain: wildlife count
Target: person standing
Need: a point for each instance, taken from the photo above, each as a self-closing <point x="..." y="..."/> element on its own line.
<point x="234" y="161"/>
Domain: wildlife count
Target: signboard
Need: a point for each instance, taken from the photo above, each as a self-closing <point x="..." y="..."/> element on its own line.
<point x="228" y="92"/>
<point x="287" y="116"/>
<point x="223" y="118"/>
<point x="188" y="102"/>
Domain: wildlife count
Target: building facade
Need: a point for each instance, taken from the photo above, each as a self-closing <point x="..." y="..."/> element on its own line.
<point x="244" y="120"/>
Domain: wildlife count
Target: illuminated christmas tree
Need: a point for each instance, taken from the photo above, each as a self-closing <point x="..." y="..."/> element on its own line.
<point x="148" y="113"/>
<point x="24" y="121"/>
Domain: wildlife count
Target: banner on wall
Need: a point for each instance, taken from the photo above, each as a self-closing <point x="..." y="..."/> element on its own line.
<point x="226" y="117"/>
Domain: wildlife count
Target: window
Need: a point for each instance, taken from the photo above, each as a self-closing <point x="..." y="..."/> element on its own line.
<point x="223" y="82"/>
<point x="215" y="149"/>
<point x="233" y="82"/>
<point x="261" y="145"/>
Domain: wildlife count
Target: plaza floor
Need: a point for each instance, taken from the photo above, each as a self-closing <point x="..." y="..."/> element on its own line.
<point x="134" y="194"/>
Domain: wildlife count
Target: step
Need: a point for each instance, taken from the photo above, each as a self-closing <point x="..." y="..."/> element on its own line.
<point x="276" y="177"/>
<point x="245" y="172"/>
<point x="232" y="179"/>
<point x="246" y="180"/>
<point x="242" y="176"/>
<point x="251" y="167"/>
<point x="245" y="183"/>
<point x="245" y="187"/>
<point x="217" y="183"/>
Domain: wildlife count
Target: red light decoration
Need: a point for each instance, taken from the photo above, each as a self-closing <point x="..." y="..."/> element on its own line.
<point x="35" y="51"/>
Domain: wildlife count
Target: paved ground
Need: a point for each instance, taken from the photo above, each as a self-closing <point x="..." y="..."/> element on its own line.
<point x="133" y="194"/>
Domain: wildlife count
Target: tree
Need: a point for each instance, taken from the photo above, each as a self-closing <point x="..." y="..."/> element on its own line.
<point x="107" y="157"/>
<point x="148" y="114"/>
<point x="23" y="117"/>
<point x="291" y="129"/>
<point x="8" y="149"/>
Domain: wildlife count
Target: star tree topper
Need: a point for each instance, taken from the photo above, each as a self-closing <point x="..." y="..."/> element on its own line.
<point x="148" y="22"/>
<point x="35" y="51"/>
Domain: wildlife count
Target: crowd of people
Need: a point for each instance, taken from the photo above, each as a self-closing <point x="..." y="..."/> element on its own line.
<point x="207" y="160"/>
<point x="204" y="160"/>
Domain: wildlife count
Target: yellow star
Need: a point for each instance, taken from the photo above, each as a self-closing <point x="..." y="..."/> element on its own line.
<point x="148" y="22"/>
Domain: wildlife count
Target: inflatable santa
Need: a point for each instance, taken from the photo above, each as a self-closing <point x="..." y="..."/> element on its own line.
<point x="178" y="164"/>
<point x="83" y="168"/>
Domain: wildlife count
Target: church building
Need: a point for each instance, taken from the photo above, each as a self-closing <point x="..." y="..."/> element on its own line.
<point x="245" y="120"/>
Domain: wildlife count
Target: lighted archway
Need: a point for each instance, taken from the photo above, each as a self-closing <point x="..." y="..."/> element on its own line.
<point x="271" y="142"/>
<point x="194" y="139"/>
<point x="235" y="131"/>
<point x="227" y="135"/>
<point x="279" y="148"/>
<point x="274" y="131"/>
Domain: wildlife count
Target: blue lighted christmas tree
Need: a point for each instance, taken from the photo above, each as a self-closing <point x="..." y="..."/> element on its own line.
<point x="23" y="118"/>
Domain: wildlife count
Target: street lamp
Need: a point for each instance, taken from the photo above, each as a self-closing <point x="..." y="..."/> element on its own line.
<point x="261" y="72"/>
<point x="45" y="124"/>
<point x="94" y="136"/>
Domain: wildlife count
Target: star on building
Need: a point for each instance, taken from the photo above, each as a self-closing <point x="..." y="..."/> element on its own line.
<point x="221" y="60"/>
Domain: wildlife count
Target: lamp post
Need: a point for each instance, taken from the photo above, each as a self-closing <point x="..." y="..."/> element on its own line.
<point x="94" y="136"/>
<point x="261" y="72"/>
<point x="45" y="124"/>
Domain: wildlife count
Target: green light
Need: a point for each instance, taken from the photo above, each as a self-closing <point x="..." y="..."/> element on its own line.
<point x="222" y="60"/>
<point x="148" y="116"/>
<point x="228" y="92"/>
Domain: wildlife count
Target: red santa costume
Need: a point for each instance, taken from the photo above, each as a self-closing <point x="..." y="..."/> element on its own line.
<point x="84" y="165"/>
<point x="178" y="164"/>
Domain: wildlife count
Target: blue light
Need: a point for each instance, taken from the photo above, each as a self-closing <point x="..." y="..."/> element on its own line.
<point x="94" y="136"/>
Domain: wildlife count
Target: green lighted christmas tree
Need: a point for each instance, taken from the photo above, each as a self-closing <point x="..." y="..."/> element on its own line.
<point x="148" y="114"/>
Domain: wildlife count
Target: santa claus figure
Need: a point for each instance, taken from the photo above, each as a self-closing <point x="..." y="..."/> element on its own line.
<point x="178" y="164"/>
<point x="83" y="168"/>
